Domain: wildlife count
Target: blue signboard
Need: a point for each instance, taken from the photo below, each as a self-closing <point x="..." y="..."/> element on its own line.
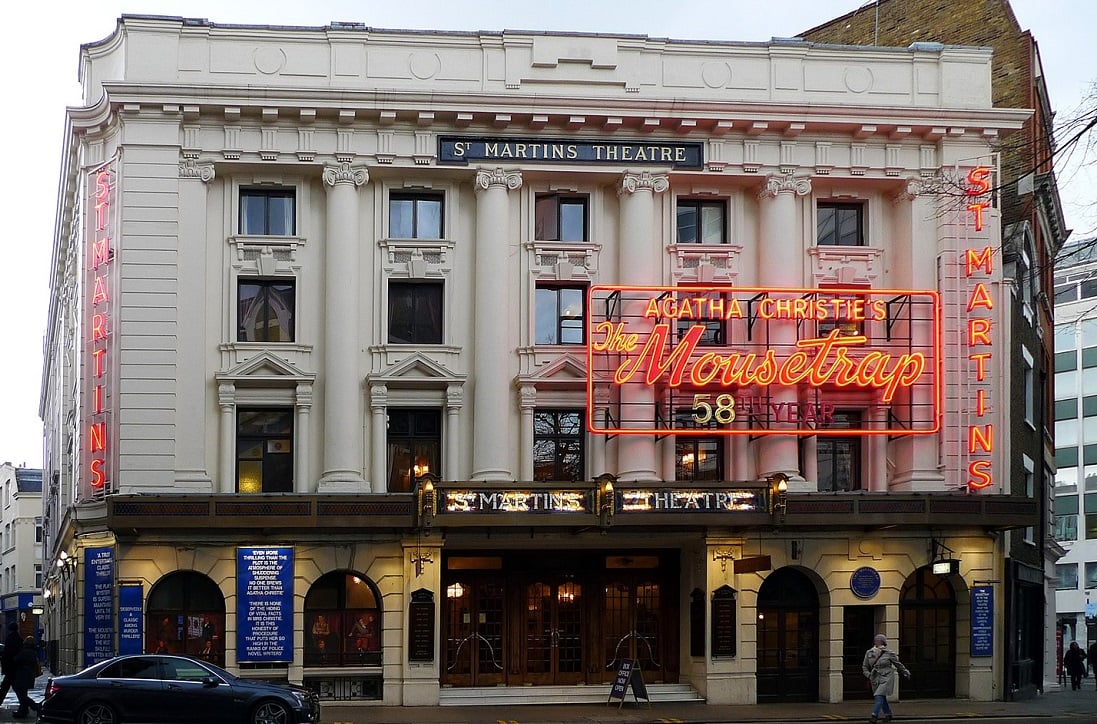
<point x="982" y="621"/>
<point x="98" y="605"/>
<point x="130" y="618"/>
<point x="264" y="608"/>
<point x="865" y="582"/>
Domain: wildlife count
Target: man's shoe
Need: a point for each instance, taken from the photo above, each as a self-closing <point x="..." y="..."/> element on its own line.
<point x="872" y="719"/>
<point x="887" y="717"/>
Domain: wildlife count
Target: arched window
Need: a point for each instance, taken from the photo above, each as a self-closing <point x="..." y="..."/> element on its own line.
<point x="186" y="615"/>
<point x="342" y="621"/>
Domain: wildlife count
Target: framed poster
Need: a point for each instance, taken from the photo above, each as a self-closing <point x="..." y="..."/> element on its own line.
<point x="264" y="610"/>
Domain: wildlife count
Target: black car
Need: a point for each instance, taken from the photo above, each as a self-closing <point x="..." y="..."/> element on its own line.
<point x="165" y="689"/>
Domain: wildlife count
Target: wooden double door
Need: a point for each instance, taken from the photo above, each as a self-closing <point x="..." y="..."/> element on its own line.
<point x="557" y="620"/>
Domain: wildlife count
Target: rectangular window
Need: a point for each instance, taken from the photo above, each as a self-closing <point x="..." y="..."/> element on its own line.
<point x="265" y="310"/>
<point x="558" y="217"/>
<point x="264" y="450"/>
<point x="1028" y="380"/>
<point x="701" y="222"/>
<point x="840" y="225"/>
<point x="1091" y="580"/>
<point x="1066" y="361"/>
<point x="560" y="313"/>
<point x="267" y="212"/>
<point x="1066" y="527"/>
<point x="415" y="216"/>
<point x="1066" y="293"/>
<point x="558" y="450"/>
<point x="415" y="312"/>
<point x="1066" y="409"/>
<point x="1066" y="457"/>
<point x="1066" y="576"/>
<point x="839" y="458"/>
<point x="38" y="575"/>
<point x="414" y="446"/>
<point x="697" y="458"/>
<point x="715" y="329"/>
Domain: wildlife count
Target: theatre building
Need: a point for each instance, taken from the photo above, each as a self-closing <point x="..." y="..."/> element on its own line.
<point x="428" y="367"/>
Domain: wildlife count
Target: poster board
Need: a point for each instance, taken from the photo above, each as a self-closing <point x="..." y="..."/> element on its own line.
<point x="628" y="677"/>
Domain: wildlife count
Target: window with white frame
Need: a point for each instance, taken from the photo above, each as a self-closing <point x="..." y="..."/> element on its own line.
<point x="415" y="215"/>
<point x="268" y="211"/>
<point x="701" y="221"/>
<point x="1029" y="382"/>
<point x="840" y="224"/>
<point x="560" y="217"/>
<point x="415" y="312"/>
<point x="1066" y="576"/>
<point x="266" y="310"/>
<point x="264" y="450"/>
<point x="560" y="314"/>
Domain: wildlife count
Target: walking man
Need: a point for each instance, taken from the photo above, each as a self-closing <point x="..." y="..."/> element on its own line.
<point x="13" y="644"/>
<point x="879" y="668"/>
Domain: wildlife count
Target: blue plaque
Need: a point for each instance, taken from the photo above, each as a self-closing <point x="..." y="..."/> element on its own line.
<point x="129" y="619"/>
<point x="865" y="582"/>
<point x="98" y="605"/>
<point x="982" y="621"/>
<point x="264" y="605"/>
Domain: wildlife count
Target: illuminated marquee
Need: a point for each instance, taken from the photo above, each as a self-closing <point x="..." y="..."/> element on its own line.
<point x="978" y="266"/>
<point x="464" y="501"/>
<point x="703" y="355"/>
<point x="98" y="340"/>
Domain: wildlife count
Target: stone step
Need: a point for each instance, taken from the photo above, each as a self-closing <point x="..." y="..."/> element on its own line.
<point x="577" y="694"/>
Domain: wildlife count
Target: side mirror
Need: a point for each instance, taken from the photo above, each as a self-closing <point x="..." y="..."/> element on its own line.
<point x="210" y="682"/>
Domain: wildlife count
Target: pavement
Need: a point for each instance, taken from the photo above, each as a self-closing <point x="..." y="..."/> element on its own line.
<point x="1074" y="706"/>
<point x="1078" y="707"/>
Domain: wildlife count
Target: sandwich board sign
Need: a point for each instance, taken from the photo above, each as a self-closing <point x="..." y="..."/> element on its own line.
<point x="628" y="676"/>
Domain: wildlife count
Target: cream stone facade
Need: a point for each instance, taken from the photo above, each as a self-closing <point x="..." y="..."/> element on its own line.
<point x="334" y="293"/>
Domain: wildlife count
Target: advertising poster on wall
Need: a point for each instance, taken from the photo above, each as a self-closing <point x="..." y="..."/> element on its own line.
<point x="130" y="619"/>
<point x="98" y="605"/>
<point x="264" y="612"/>
<point x="982" y="621"/>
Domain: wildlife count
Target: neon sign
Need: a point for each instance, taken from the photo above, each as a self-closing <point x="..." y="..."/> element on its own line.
<point x="99" y="305"/>
<point x="707" y="350"/>
<point x="978" y="265"/>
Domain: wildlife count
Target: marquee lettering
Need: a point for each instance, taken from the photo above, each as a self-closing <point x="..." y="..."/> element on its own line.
<point x="979" y="334"/>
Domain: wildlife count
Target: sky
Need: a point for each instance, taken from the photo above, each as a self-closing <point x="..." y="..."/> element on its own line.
<point x="41" y="52"/>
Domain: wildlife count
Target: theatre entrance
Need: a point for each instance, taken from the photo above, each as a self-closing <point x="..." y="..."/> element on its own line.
<point x="559" y="617"/>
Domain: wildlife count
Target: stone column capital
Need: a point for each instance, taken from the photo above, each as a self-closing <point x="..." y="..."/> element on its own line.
<point x="785" y="185"/>
<point x="911" y="189"/>
<point x="344" y="173"/>
<point x="190" y="168"/>
<point x="509" y="180"/>
<point x="645" y="180"/>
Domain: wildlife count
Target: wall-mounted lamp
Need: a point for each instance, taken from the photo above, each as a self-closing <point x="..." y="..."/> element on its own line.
<point x="427" y="501"/>
<point x="778" y="495"/>
<point x="604" y="499"/>
<point x="65" y="563"/>
<point x="723" y="555"/>
<point x="941" y="564"/>
<point x="426" y="498"/>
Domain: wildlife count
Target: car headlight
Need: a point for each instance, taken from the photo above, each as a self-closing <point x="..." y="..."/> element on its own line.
<point x="302" y="699"/>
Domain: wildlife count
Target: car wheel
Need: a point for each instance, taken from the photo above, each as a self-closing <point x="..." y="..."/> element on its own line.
<point x="97" y="713"/>
<point x="271" y="712"/>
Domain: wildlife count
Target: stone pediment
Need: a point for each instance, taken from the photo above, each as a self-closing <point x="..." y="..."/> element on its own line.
<point x="564" y="370"/>
<point x="265" y="368"/>
<point x="416" y="369"/>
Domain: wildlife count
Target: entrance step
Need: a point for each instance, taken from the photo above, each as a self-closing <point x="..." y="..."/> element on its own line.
<point x="578" y="694"/>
